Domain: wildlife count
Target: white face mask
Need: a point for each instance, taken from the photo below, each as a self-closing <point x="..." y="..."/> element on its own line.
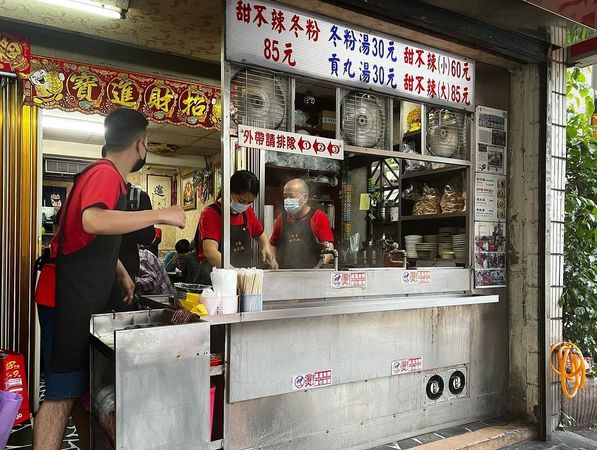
<point x="293" y="205"/>
<point x="237" y="207"/>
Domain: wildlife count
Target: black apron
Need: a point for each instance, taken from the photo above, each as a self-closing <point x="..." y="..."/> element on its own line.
<point x="84" y="280"/>
<point x="297" y="247"/>
<point x="240" y="248"/>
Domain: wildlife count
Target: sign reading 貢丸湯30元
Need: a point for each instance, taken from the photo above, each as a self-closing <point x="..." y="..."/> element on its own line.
<point x="275" y="36"/>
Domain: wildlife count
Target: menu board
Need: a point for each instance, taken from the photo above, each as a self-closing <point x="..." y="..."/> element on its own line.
<point x="490" y="197"/>
<point x="491" y="127"/>
<point x="490" y="254"/>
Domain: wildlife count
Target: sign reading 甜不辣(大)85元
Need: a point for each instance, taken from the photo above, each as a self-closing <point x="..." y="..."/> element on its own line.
<point x="275" y="36"/>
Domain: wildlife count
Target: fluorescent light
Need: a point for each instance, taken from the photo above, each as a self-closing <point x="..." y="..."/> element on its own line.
<point x="62" y="123"/>
<point x="89" y="6"/>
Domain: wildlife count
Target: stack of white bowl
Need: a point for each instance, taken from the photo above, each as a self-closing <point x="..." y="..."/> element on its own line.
<point x="446" y="244"/>
<point x="426" y="250"/>
<point x="432" y="239"/>
<point x="460" y="246"/>
<point x="411" y="244"/>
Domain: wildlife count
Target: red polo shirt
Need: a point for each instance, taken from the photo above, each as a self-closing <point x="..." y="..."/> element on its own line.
<point x="99" y="187"/>
<point x="210" y="226"/>
<point x="320" y="226"/>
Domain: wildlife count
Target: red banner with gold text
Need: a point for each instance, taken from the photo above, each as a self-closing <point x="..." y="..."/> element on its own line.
<point x="15" y="54"/>
<point x="73" y="86"/>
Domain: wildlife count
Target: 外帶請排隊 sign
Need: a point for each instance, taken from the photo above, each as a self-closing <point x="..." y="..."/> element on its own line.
<point x="274" y="36"/>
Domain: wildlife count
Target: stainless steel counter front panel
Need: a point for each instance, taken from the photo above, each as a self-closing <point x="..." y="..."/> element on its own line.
<point x="162" y="387"/>
<point x="265" y="356"/>
<point x="313" y="284"/>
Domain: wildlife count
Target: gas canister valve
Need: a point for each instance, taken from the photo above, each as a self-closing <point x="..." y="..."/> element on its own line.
<point x="435" y="387"/>
<point x="456" y="383"/>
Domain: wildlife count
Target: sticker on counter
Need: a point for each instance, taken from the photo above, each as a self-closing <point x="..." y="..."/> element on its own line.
<point x="416" y="277"/>
<point x="312" y="380"/>
<point x="349" y="280"/>
<point x="407" y="365"/>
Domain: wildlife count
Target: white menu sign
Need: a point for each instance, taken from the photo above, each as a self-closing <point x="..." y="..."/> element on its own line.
<point x="281" y="38"/>
<point x="490" y="197"/>
<point x="296" y="143"/>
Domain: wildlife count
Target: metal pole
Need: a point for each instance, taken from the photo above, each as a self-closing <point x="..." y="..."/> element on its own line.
<point x="225" y="150"/>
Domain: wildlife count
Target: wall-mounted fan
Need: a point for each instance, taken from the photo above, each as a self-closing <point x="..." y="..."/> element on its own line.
<point x="363" y="119"/>
<point x="445" y="133"/>
<point x="259" y="99"/>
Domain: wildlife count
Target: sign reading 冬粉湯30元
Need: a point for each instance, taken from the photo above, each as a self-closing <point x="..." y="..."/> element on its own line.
<point x="274" y="36"/>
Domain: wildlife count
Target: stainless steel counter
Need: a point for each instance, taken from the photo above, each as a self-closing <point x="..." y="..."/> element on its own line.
<point x="302" y="309"/>
<point x="317" y="284"/>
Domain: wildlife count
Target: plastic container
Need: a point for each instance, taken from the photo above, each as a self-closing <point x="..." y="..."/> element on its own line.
<point x="212" y="401"/>
<point x="251" y="303"/>
<point x="183" y="288"/>
<point x="214" y="305"/>
<point x="230" y="304"/>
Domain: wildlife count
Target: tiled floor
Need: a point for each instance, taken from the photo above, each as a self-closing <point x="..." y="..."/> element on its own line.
<point x="21" y="437"/>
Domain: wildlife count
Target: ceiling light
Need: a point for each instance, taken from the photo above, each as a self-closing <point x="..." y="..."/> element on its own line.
<point x="102" y="8"/>
<point x="63" y="123"/>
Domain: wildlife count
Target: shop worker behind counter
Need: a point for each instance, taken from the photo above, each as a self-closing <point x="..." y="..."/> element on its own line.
<point x="84" y="254"/>
<point x="244" y="226"/>
<point x="301" y="231"/>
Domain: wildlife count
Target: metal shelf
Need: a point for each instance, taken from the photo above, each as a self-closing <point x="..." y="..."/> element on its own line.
<point x="374" y="152"/>
<point x="431" y="173"/>
<point x="434" y="216"/>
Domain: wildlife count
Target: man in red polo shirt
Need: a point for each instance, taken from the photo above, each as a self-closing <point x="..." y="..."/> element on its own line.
<point x="77" y="279"/>
<point x="300" y="232"/>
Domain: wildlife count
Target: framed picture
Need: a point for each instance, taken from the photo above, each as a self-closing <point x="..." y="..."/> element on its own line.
<point x="53" y="196"/>
<point x="159" y="189"/>
<point x="188" y="192"/>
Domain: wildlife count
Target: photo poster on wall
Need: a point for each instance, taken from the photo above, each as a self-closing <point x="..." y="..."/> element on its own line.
<point x="490" y="254"/>
<point x="490" y="243"/>
<point x="159" y="189"/>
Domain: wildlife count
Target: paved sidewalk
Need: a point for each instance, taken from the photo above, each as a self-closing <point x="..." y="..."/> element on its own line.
<point x="580" y="440"/>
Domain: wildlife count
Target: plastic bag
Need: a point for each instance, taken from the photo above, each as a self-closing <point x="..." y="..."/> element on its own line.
<point x="429" y="203"/>
<point x="413" y="191"/>
<point x="412" y="165"/>
<point x="453" y="197"/>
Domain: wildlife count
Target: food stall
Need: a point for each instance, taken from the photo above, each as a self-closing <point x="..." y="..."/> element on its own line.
<point x="404" y="332"/>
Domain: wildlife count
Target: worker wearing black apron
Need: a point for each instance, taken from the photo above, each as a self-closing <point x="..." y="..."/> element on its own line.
<point x="300" y="231"/>
<point x="244" y="226"/>
<point x="136" y="200"/>
<point x="76" y="279"/>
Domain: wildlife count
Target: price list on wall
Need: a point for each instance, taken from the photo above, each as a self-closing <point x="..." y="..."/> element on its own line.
<point x="490" y="243"/>
<point x="282" y="38"/>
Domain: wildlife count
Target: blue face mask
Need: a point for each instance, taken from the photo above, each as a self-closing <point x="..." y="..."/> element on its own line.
<point x="237" y="207"/>
<point x="293" y="205"/>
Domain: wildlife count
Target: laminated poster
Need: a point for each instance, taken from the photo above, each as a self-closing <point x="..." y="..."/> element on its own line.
<point x="492" y="131"/>
<point x="490" y="254"/>
<point x="490" y="197"/>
